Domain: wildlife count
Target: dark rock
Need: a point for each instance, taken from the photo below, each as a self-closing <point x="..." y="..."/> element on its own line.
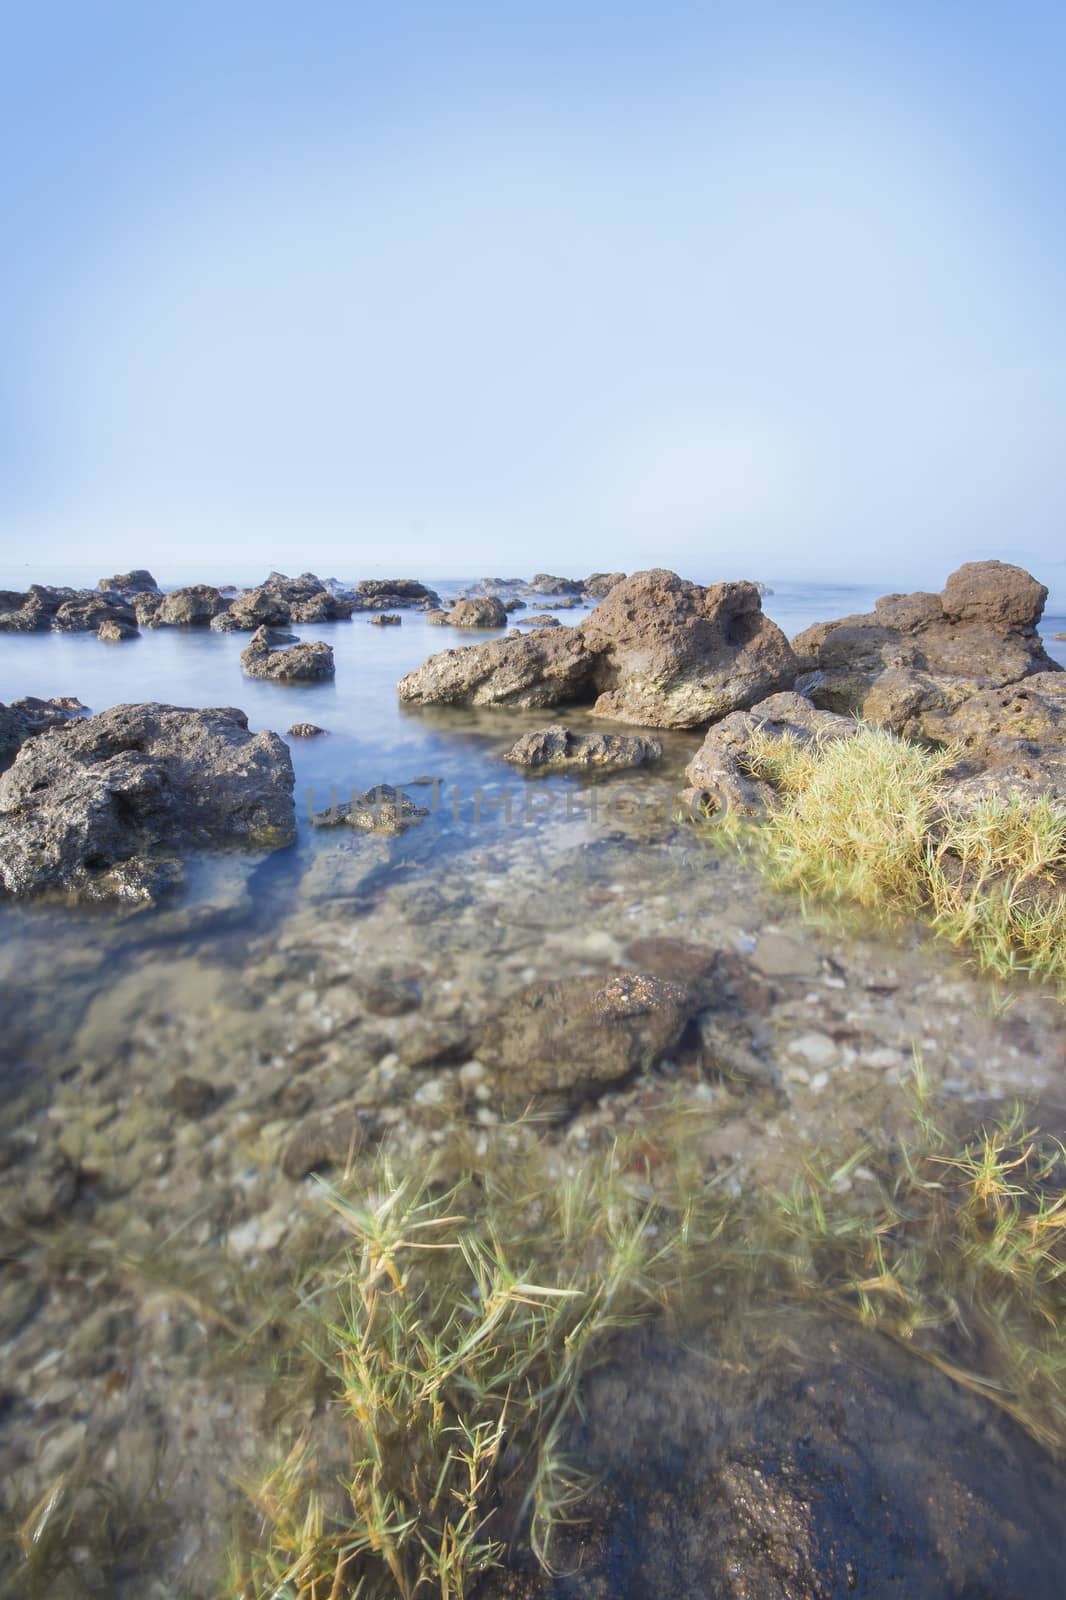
<point x="657" y="651"/>
<point x="193" y="1097"/>
<point x="386" y="619"/>
<point x="129" y="583"/>
<point x="514" y="604"/>
<point x="545" y="583"/>
<point x="564" y="1040"/>
<point x="23" y="718"/>
<point x="146" y="607"/>
<point x="193" y="607"/>
<point x="719" y="775"/>
<point x="394" y="594"/>
<point x="561" y="747"/>
<point x="305" y="730"/>
<point x="544" y="620"/>
<point x="89" y="614"/>
<point x="99" y="808"/>
<point x="388" y="993"/>
<point x="299" y="663"/>
<point x="330" y="1139"/>
<point x="839" y="1465"/>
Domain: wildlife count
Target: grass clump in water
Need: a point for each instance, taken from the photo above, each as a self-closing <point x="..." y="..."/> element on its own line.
<point x="455" y="1331"/>
<point x="867" y="820"/>
<point x="963" y="1259"/>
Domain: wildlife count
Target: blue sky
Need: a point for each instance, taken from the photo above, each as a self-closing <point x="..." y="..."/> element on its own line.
<point x="761" y="290"/>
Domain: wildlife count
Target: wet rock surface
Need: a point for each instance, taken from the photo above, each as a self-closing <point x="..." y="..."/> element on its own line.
<point x="562" y="1041"/>
<point x="657" y="651"/>
<point x="561" y="747"/>
<point x="269" y="655"/>
<point x="99" y="808"/>
<point x="23" y="718"/>
<point x="394" y="594"/>
<point x="383" y="809"/>
<point x="851" y="1468"/>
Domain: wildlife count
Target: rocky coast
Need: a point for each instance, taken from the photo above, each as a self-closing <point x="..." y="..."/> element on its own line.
<point x="578" y="965"/>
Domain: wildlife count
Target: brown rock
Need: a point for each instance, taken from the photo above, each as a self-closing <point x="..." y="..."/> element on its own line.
<point x="719" y="775"/>
<point x="561" y="748"/>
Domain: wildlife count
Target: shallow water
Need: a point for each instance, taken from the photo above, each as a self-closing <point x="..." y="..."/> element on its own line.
<point x="254" y="986"/>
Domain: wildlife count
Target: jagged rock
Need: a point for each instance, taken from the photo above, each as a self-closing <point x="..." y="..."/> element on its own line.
<point x="129" y="583"/>
<point x="386" y="619"/>
<point x="146" y="606"/>
<point x="719" y="776"/>
<point x="545" y="620"/>
<point x="192" y="607"/>
<point x="305" y="730"/>
<point x="99" y="808"/>
<point x="88" y="616"/>
<point x="394" y="594"/>
<point x="560" y="747"/>
<point x="438" y="618"/>
<point x="282" y="599"/>
<point x="514" y="604"/>
<point x="598" y="584"/>
<point x="380" y="810"/>
<point x="564" y="1040"/>
<point x="916" y="658"/>
<point x="1011" y="739"/>
<point x="113" y="632"/>
<point x="265" y="657"/>
<point x="657" y="651"/>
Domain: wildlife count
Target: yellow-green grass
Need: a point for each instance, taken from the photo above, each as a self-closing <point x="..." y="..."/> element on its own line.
<point x="868" y="820"/>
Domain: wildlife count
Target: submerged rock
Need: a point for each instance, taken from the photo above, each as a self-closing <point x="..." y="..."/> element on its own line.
<point x="544" y="620"/>
<point x="305" y="730"/>
<point x="916" y="658"/>
<point x="839" y="1466"/>
<point x="386" y="619"/>
<point x="265" y="656"/>
<point x="561" y="747"/>
<point x="64" y="610"/>
<point x="658" y="651"/>
<point x="560" y="1041"/>
<point x="380" y="810"/>
<point x="719" y="774"/>
<point x="100" y="808"/>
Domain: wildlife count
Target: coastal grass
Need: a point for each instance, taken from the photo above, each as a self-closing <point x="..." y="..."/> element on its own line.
<point x="865" y="821"/>
<point x="962" y="1259"/>
<point x="454" y="1333"/>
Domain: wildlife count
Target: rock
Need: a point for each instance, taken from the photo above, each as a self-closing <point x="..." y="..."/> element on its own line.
<point x="598" y="584"/>
<point x="305" y="730"/>
<point x="545" y="620"/>
<point x="331" y="1139"/>
<point x="484" y="612"/>
<point x="193" y="1097"/>
<point x="836" y="1465"/>
<point x="1011" y="739"/>
<point x="657" y="651"/>
<point x="99" y="808"/>
<point x="112" y="632"/>
<point x="915" y="658"/>
<point x="545" y="583"/>
<point x="561" y="747"/>
<point x="514" y="604"/>
<point x="34" y="610"/>
<point x="193" y="607"/>
<point x="128" y="584"/>
<point x="439" y="619"/>
<point x="380" y="810"/>
<point x="299" y="663"/>
<point x="386" y="619"/>
<point x="92" y="613"/>
<point x="394" y="594"/>
<point x="563" y="1040"/>
<point x="388" y="993"/>
<point x="23" y="718"/>
<point x="256" y="608"/>
<point x="146" y="606"/>
<point x="718" y="775"/>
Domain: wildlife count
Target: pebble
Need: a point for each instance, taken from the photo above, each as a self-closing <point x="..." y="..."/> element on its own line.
<point x="816" y="1049"/>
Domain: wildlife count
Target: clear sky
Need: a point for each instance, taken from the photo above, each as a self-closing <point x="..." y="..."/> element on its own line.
<point x="743" y="290"/>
